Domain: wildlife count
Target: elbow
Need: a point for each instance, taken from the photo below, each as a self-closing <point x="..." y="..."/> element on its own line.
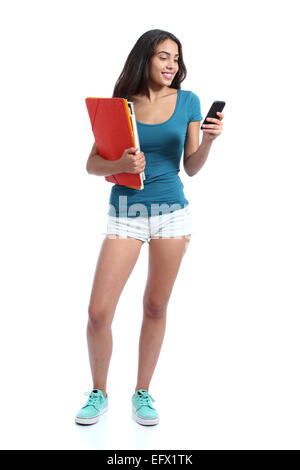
<point x="188" y="173"/>
<point x="91" y="164"/>
<point x="88" y="166"/>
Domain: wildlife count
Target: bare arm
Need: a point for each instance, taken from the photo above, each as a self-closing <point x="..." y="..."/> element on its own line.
<point x="97" y="165"/>
<point x="195" y="155"/>
<point x="197" y="159"/>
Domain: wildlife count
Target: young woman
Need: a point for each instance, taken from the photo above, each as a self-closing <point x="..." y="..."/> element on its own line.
<point x="168" y="121"/>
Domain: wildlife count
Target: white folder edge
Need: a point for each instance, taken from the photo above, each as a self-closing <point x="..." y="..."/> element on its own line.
<point x="136" y="137"/>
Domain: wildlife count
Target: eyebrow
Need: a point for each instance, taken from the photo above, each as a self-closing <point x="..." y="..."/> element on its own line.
<point x="166" y="53"/>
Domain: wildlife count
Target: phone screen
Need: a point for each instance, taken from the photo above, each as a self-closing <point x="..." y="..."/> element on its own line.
<point x="217" y="106"/>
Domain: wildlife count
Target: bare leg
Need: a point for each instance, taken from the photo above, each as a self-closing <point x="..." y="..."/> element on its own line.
<point x="165" y="256"/>
<point x="116" y="261"/>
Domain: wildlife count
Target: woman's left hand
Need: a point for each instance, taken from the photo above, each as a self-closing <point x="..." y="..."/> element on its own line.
<point x="211" y="131"/>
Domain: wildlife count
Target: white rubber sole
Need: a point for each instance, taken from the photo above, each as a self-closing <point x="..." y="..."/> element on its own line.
<point x="93" y="420"/>
<point x="145" y="421"/>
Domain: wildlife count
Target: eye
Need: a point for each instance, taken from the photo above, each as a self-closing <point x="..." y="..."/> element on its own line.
<point x="164" y="58"/>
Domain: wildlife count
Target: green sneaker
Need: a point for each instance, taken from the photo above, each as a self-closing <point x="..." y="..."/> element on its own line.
<point x="142" y="409"/>
<point x="96" y="405"/>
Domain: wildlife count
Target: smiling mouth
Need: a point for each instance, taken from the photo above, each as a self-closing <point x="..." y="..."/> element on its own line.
<point x="167" y="75"/>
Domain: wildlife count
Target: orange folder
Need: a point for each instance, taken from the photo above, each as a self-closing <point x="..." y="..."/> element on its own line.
<point x="115" y="129"/>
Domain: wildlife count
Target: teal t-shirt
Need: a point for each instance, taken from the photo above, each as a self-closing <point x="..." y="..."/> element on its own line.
<point x="162" y="145"/>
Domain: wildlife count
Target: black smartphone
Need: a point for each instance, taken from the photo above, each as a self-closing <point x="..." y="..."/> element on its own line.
<point x="217" y="106"/>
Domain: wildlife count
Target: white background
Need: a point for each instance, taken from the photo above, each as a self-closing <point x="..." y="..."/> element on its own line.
<point x="228" y="372"/>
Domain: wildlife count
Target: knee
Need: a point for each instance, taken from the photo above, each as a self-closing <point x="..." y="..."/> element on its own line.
<point x="98" y="317"/>
<point x="154" y="308"/>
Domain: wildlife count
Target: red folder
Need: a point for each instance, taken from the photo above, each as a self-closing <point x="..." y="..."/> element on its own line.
<point x="114" y="128"/>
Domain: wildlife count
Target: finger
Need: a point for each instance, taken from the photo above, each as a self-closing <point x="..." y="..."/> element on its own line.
<point x="212" y="126"/>
<point x="220" y="114"/>
<point x="213" y="120"/>
<point x="207" y="131"/>
<point x="213" y="130"/>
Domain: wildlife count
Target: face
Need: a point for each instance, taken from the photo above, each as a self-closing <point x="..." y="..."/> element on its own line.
<point x="166" y="61"/>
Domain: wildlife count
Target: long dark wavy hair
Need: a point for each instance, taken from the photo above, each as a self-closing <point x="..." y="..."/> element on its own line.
<point x="135" y="74"/>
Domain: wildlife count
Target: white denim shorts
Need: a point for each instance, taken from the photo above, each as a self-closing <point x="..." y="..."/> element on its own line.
<point x="175" y="224"/>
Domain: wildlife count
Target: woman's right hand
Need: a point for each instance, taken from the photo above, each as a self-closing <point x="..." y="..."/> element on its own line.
<point x="131" y="163"/>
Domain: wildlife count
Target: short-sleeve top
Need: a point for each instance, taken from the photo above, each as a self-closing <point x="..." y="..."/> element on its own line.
<point x="162" y="145"/>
